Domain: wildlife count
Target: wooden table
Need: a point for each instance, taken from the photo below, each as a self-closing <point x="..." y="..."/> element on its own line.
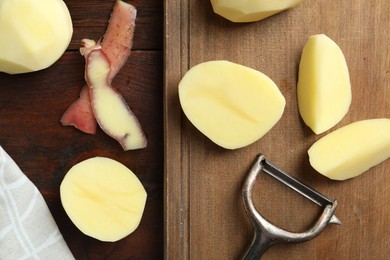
<point x="31" y="106"/>
<point x="204" y="218"/>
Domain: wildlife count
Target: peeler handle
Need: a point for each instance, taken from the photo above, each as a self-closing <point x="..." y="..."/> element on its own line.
<point x="257" y="248"/>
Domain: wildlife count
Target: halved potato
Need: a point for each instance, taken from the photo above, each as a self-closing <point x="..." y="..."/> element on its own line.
<point x="103" y="198"/>
<point x="231" y="104"/>
<point x="351" y="150"/>
<point x="324" y="87"/>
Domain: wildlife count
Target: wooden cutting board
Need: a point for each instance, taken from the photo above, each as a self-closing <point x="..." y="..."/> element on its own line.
<point x="204" y="215"/>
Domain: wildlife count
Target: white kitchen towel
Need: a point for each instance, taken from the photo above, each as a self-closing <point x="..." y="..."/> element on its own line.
<point x="27" y="228"/>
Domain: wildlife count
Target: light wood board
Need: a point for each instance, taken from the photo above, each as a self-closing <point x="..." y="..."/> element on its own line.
<point x="204" y="215"/>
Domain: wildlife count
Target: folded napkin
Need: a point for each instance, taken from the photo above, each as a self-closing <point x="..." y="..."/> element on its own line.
<point x="27" y="228"/>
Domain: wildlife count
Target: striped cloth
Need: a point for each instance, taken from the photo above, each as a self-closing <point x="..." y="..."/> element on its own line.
<point x="27" y="228"/>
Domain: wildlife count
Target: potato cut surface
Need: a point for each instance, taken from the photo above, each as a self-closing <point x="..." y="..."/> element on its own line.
<point x="34" y="34"/>
<point x="351" y="150"/>
<point x="231" y="104"/>
<point x="324" y="88"/>
<point x="103" y="198"/>
<point x="250" y="10"/>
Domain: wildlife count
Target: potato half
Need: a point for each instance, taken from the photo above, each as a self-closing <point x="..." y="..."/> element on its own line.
<point x="231" y="104"/>
<point x="324" y="87"/>
<point x="103" y="198"/>
<point x="351" y="150"/>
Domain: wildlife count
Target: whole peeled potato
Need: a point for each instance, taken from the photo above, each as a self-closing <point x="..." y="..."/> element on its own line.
<point x="33" y="34"/>
<point x="241" y="11"/>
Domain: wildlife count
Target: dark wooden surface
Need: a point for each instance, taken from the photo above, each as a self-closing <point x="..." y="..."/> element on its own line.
<point x="31" y="106"/>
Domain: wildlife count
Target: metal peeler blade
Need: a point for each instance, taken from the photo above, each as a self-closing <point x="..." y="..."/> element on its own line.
<point x="267" y="234"/>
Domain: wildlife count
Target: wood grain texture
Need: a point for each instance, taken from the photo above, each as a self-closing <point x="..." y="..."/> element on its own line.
<point x="31" y="106"/>
<point x="90" y="19"/>
<point x="205" y="218"/>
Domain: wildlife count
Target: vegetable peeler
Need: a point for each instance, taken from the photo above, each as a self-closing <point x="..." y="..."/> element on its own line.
<point x="265" y="233"/>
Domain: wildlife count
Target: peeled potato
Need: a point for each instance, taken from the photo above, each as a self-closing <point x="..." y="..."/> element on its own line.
<point x="324" y="87"/>
<point x="34" y="34"/>
<point x="103" y="198"/>
<point x="240" y="11"/>
<point x="231" y="104"/>
<point x="351" y="150"/>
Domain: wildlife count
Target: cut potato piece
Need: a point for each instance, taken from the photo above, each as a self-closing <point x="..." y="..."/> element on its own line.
<point x="103" y="198"/>
<point x="231" y="104"/>
<point x="324" y="88"/>
<point x="250" y="10"/>
<point x="34" y="34"/>
<point x="352" y="149"/>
